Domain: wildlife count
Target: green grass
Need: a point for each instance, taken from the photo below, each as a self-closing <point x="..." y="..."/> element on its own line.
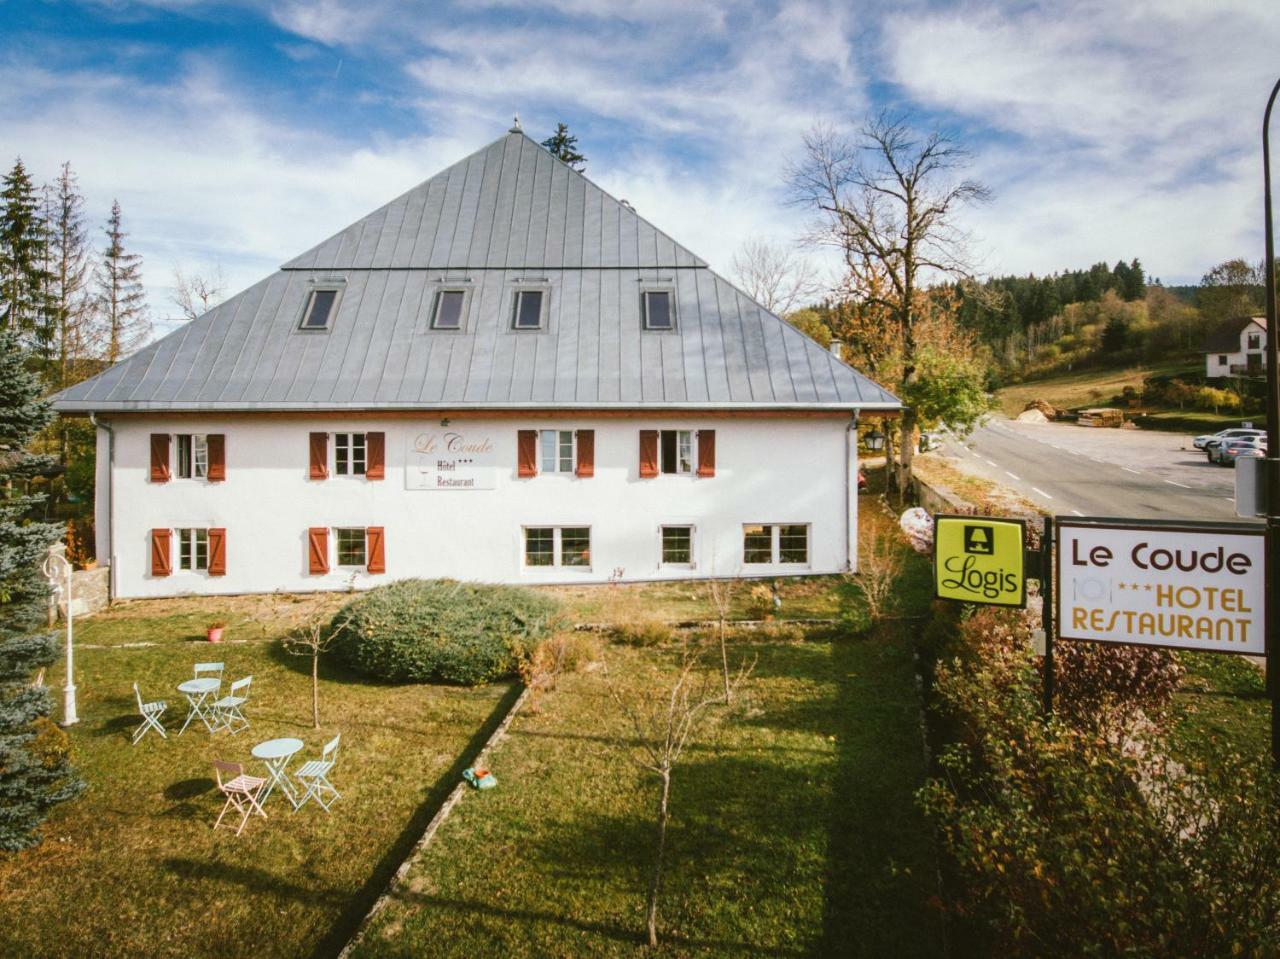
<point x="134" y="868"/>
<point x="794" y="828"/>
<point x="811" y="597"/>
<point x="1221" y="706"/>
<point x="1093" y="387"/>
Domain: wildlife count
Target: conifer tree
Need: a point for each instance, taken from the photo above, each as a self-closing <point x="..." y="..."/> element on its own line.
<point x="564" y="145"/>
<point x="120" y="296"/>
<point x="23" y="249"/>
<point x="34" y="770"/>
<point x="70" y="302"/>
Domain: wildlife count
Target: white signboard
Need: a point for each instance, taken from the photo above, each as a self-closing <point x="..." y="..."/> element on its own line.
<point x="450" y="459"/>
<point x="1187" y="587"/>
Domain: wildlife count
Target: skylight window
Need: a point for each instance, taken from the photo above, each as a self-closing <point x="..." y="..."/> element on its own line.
<point x="528" y="311"/>
<point x="319" y="310"/>
<point x="658" y="314"/>
<point x="448" y="311"/>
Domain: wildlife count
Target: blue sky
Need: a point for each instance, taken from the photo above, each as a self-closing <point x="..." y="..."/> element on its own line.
<point x="239" y="134"/>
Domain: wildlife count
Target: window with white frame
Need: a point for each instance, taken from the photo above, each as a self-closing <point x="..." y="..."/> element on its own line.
<point x="557" y="546"/>
<point x="676" y="451"/>
<point x="193" y="456"/>
<point x="767" y="544"/>
<point x="193" y="549"/>
<point x="659" y="310"/>
<point x="528" y="309"/>
<point x="350" y="544"/>
<point x="349" y="454"/>
<point x="677" y="546"/>
<point x="1222" y="359"/>
<point x="447" y="314"/>
<point x="556" y="451"/>
<point x="1255" y="341"/>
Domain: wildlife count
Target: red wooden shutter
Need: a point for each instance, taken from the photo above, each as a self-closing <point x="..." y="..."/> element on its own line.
<point x="217" y="443"/>
<point x="159" y="457"/>
<point x="160" y="562"/>
<point x="648" y="454"/>
<point x="318" y="550"/>
<point x="217" y="552"/>
<point x="586" y="453"/>
<point x="706" y="452"/>
<point x="375" y="445"/>
<point x="527" y="453"/>
<point x="319" y="456"/>
<point x="374" y="548"/>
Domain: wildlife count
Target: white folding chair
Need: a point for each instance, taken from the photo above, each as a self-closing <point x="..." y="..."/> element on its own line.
<point x="209" y="670"/>
<point x="314" y="776"/>
<point x="151" y="713"/>
<point x="227" y="712"/>
<point x="242" y="792"/>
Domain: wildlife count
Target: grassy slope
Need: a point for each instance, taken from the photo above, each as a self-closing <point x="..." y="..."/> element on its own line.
<point x="133" y="867"/>
<point x="794" y="828"/>
<point x="1084" y="388"/>
<point x="1221" y="706"/>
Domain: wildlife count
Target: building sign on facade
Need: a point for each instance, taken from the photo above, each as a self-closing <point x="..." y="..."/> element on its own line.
<point x="450" y="460"/>
<point x="1189" y="586"/>
<point x="978" y="559"/>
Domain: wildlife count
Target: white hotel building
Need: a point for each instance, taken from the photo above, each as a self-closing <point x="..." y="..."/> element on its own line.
<point x="504" y="375"/>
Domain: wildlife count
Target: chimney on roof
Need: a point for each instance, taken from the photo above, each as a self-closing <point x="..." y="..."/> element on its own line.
<point x="837" y="349"/>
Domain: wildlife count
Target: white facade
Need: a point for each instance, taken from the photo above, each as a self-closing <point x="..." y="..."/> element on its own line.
<point x="1247" y="358"/>
<point x="792" y="470"/>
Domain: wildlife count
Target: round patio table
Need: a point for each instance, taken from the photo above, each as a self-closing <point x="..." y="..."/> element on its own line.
<point x="197" y="691"/>
<point x="275" y="755"/>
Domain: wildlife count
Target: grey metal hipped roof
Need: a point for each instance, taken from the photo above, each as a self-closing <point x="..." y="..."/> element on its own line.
<point x="506" y="217"/>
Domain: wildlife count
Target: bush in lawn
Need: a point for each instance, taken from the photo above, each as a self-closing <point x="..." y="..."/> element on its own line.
<point x="439" y="630"/>
<point x="643" y="632"/>
<point x="1057" y="843"/>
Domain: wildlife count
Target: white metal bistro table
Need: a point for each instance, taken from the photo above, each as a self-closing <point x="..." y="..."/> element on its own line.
<point x="275" y="755"/>
<point x="197" y="691"/>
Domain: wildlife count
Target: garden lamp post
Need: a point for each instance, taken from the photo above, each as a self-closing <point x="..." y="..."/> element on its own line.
<point x="1272" y="462"/>
<point x="58" y="571"/>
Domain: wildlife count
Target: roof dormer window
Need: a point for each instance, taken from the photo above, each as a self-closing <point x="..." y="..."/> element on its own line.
<point x="319" y="310"/>
<point x="659" y="311"/>
<point x="447" y="314"/>
<point x="528" y="310"/>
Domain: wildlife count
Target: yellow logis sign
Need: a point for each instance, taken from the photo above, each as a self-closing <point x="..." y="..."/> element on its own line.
<point x="978" y="559"/>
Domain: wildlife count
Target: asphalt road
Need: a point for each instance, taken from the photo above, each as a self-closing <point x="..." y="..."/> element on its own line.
<point x="1076" y="471"/>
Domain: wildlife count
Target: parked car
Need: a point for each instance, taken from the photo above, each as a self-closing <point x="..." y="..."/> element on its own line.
<point x="929" y="441"/>
<point x="1227" y="453"/>
<point x="1210" y="439"/>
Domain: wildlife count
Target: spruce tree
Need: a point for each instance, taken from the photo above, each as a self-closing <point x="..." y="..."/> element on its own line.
<point x="70" y="303"/>
<point x="120" y="295"/>
<point x="24" y="279"/>
<point x="34" y="770"/>
<point x="564" y="145"/>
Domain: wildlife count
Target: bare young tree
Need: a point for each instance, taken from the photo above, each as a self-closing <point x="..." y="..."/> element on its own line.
<point x="312" y="638"/>
<point x="195" y="293"/>
<point x="664" y="720"/>
<point x="888" y="199"/>
<point x="778" y="277"/>
<point x="721" y="592"/>
<point x="879" y="566"/>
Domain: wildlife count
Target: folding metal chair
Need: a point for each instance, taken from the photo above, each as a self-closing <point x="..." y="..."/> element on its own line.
<point x="227" y="710"/>
<point x="314" y="776"/>
<point x="211" y="671"/>
<point x="151" y="713"/>
<point x="242" y="792"/>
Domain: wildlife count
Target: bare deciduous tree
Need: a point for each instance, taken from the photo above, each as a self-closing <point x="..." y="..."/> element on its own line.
<point x="888" y="199"/>
<point x="721" y="593"/>
<point x="665" y="719"/>
<point x="778" y="277"/>
<point x="879" y="566"/>
<point x="312" y="638"/>
<point x="195" y="293"/>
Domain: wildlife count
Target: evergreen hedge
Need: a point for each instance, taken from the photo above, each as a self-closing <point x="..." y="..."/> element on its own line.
<point x="441" y="630"/>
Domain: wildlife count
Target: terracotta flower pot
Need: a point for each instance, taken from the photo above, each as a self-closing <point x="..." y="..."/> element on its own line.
<point x="214" y="635"/>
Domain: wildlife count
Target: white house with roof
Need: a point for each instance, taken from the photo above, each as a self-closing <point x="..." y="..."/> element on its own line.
<point x="1237" y="348"/>
<point x="504" y="375"/>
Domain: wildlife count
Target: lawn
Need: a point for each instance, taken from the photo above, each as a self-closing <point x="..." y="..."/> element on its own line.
<point x="1093" y="387"/>
<point x="134" y="867"/>
<point x="1222" y="706"/>
<point x="794" y="830"/>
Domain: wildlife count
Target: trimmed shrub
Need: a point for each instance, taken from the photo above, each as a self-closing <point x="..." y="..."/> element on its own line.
<point x="643" y="632"/>
<point x="442" y="631"/>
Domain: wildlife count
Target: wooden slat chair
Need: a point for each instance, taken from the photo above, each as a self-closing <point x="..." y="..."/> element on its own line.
<point x="151" y="713"/>
<point x="242" y="792"/>
<point x="227" y="711"/>
<point x="314" y="776"/>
